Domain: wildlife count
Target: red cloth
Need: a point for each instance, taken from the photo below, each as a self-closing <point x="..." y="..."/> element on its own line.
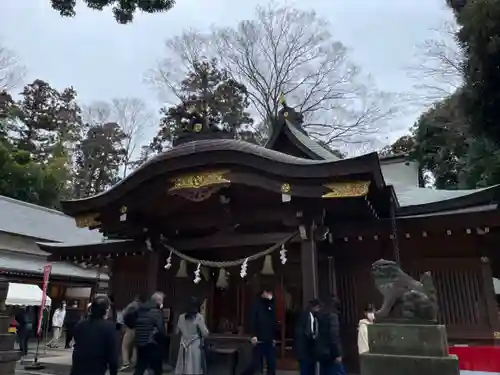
<point x="478" y="358"/>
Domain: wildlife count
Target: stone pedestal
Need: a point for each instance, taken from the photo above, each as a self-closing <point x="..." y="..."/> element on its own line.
<point x="405" y="349"/>
<point x="8" y="356"/>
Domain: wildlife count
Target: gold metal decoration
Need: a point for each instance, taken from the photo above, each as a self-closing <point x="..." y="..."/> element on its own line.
<point x="282" y="100"/>
<point x="286" y="188"/>
<point x="347" y="189"/>
<point x="200" y="180"/>
<point x="87" y="220"/>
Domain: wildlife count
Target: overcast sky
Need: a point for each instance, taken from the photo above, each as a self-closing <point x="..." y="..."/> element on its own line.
<point x="103" y="59"/>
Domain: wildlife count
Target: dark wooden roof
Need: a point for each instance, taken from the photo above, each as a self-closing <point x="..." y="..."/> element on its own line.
<point x="227" y="153"/>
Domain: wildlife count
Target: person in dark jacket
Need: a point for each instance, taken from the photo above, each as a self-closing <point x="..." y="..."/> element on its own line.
<point x="24" y="327"/>
<point x="150" y="334"/>
<point x="96" y="342"/>
<point x="73" y="316"/>
<point x="306" y="334"/>
<point x="129" y="319"/>
<point x="263" y="325"/>
<point x="328" y="345"/>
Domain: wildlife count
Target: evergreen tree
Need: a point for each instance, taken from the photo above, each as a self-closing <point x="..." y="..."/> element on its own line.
<point x="98" y="159"/>
<point x="21" y="175"/>
<point x="208" y="95"/>
<point x="123" y="10"/>
<point x="478" y="36"/>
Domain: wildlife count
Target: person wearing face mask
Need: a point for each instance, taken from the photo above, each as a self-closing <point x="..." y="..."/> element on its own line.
<point x="150" y="335"/>
<point x="306" y="334"/>
<point x="263" y="325"/>
<point x="363" y="346"/>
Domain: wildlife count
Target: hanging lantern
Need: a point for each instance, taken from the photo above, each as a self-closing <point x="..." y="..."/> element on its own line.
<point x="168" y="265"/>
<point x="123" y="212"/>
<point x="222" y="282"/>
<point x="182" y="272"/>
<point x="267" y="268"/>
<point x="283" y="254"/>
<point x="205" y="272"/>
<point x="197" y="273"/>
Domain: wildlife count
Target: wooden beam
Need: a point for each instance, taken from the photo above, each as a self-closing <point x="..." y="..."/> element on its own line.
<point x="429" y="224"/>
<point x="285" y="215"/>
<point x="230" y="240"/>
<point x="309" y="267"/>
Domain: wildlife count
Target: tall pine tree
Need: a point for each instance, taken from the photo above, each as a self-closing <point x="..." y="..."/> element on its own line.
<point x="98" y="159"/>
<point x="209" y="93"/>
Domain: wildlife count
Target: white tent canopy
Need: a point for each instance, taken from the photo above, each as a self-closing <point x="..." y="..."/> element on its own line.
<point x="25" y="295"/>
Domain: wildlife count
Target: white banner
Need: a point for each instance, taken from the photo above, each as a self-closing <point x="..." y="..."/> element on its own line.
<point x="466" y="372"/>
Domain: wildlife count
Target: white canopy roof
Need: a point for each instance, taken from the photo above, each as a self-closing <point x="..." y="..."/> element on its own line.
<point x="25" y="295"/>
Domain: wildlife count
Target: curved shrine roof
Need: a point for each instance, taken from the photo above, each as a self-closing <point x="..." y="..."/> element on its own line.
<point x="227" y="152"/>
<point x="319" y="162"/>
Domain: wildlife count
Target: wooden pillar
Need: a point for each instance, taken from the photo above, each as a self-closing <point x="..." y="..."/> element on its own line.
<point x="489" y="294"/>
<point x="152" y="269"/>
<point x="309" y="265"/>
<point x="332" y="276"/>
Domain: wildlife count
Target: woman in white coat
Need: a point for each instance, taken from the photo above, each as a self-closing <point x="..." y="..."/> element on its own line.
<point x="363" y="345"/>
<point x="57" y="324"/>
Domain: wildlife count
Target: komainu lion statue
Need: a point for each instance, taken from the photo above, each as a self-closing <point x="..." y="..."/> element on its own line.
<point x="405" y="299"/>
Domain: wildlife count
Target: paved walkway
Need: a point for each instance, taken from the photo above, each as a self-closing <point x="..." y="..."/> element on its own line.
<point x="58" y="362"/>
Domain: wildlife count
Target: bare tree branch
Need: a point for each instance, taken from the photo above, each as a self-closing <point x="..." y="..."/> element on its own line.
<point x="131" y="114"/>
<point x="280" y="50"/>
<point x="12" y="71"/>
<point x="438" y="65"/>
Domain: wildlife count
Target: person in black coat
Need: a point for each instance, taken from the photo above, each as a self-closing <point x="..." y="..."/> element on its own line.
<point x="96" y="342"/>
<point x="263" y="325"/>
<point x="73" y="316"/>
<point x="24" y="327"/>
<point x="306" y="334"/>
<point x="328" y="348"/>
<point x="150" y="334"/>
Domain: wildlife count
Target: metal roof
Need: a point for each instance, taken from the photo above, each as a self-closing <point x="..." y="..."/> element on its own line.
<point x="34" y="265"/>
<point x="30" y="220"/>
<point x="416" y="196"/>
<point x="309" y="145"/>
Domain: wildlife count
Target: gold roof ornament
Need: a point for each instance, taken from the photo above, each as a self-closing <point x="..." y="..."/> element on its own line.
<point x="346" y="189"/>
<point x="200" y="180"/>
<point x="282" y="100"/>
<point x="87" y="220"/>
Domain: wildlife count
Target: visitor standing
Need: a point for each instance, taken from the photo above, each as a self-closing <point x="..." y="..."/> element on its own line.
<point x="57" y="325"/>
<point x="191" y="356"/>
<point x="369" y="317"/>
<point x="306" y="334"/>
<point x="150" y="335"/>
<point x="24" y="326"/>
<point x="96" y="343"/>
<point x="72" y="318"/>
<point x="263" y="326"/>
<point x="129" y="315"/>
<point x="328" y="345"/>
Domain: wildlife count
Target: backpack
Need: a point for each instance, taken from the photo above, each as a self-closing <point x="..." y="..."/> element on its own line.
<point x="130" y="317"/>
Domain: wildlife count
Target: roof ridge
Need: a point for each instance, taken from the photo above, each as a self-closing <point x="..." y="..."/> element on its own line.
<point x="32" y="205"/>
